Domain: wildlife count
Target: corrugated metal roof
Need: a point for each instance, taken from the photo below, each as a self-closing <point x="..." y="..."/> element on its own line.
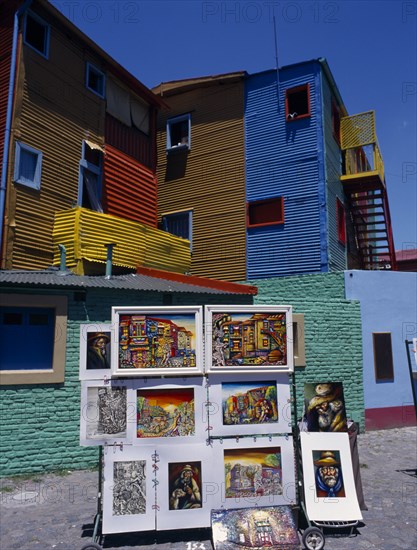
<point x="55" y="278"/>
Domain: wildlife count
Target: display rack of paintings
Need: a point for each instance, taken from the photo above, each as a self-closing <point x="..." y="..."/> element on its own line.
<point x="255" y="471"/>
<point x="329" y="485"/>
<point x="250" y="339"/>
<point x="167" y="413"/>
<point x="104" y="416"/>
<point x="157" y="341"/>
<point x="249" y="404"/>
<point x="128" y="489"/>
<point x="261" y="528"/>
<point x="96" y="341"/>
<point x="324" y="406"/>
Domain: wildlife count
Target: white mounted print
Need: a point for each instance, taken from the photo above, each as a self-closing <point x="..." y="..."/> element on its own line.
<point x="249" y="339"/>
<point x="155" y="341"/>
<point x="96" y="341"/>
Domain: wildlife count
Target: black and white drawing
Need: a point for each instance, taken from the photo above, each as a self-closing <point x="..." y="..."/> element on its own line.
<point x="129" y="489"/>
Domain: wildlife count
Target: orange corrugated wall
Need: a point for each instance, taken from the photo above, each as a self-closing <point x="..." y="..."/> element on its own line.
<point x="130" y="189"/>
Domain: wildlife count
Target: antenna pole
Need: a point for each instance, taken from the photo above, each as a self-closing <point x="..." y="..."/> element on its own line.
<point x="276" y="60"/>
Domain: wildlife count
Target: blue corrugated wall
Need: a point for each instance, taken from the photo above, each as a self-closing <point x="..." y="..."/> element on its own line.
<point x="286" y="159"/>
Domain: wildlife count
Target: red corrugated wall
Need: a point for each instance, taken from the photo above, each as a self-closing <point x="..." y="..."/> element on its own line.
<point x="130" y="189"/>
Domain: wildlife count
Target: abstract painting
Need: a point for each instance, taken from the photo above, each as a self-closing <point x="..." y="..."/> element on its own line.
<point x="325" y="407"/>
<point x="249" y="403"/>
<point x="165" y="412"/>
<point x="249" y="339"/>
<point x="158" y="341"/>
<point x="263" y="528"/>
<point x="252" y="472"/>
<point x="184" y="485"/>
<point x="129" y="487"/>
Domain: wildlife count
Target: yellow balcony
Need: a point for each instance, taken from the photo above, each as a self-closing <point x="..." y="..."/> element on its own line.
<point x="85" y="234"/>
<point x="363" y="164"/>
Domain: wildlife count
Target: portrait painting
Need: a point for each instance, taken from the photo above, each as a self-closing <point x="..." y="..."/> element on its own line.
<point x="250" y="338"/>
<point x="158" y="341"/>
<point x="249" y="403"/>
<point x="165" y="412"/>
<point x="328" y="474"/>
<point x="252" y="472"/>
<point x="184" y="485"/>
<point x="95" y="351"/>
<point x="129" y="487"/>
<point x="325" y="407"/>
<point x="263" y="528"/>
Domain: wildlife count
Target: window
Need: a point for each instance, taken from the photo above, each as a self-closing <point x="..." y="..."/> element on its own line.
<point x="341" y="221"/>
<point x="27" y="166"/>
<point x="179" y="224"/>
<point x="90" y="177"/>
<point x="33" y="332"/>
<point x="297" y="102"/>
<point x="384" y="366"/>
<point x="95" y="80"/>
<point x="179" y="132"/>
<point x="336" y="121"/>
<point x="298" y="339"/>
<point x="265" y="212"/>
<point x="36" y="34"/>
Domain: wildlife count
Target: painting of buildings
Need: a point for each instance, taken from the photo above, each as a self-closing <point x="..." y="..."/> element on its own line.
<point x="147" y="342"/>
<point x="253" y="472"/>
<point x="165" y="413"/>
<point x="244" y="339"/>
<point x="249" y="403"/>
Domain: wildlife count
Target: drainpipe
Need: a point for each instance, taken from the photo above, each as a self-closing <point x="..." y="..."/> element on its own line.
<point x="63" y="259"/>
<point x="109" y="259"/>
<point x="7" y="133"/>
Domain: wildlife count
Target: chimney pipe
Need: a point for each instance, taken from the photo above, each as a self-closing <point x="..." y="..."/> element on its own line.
<point x="63" y="258"/>
<point x="109" y="261"/>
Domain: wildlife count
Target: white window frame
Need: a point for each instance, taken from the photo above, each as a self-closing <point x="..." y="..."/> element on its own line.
<point x="36" y="17"/>
<point x="36" y="182"/>
<point x="95" y="169"/>
<point x="90" y="67"/>
<point x="175" y="120"/>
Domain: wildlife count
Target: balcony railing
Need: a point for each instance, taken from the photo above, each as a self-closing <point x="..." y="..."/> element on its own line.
<point x="86" y="233"/>
<point x="362" y="156"/>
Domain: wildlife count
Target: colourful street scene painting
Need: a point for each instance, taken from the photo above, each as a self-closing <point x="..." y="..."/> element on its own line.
<point x="253" y="472"/>
<point x="165" y="412"/>
<point x="245" y="339"/>
<point x="328" y="474"/>
<point x="263" y="528"/>
<point x="325" y="407"/>
<point x="157" y="341"/>
<point x="184" y="479"/>
<point x="249" y="402"/>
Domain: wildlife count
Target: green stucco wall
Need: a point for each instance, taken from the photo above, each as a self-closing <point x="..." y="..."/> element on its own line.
<point x="40" y="424"/>
<point x="333" y="335"/>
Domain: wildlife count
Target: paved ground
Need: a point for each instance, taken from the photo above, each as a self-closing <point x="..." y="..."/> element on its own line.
<point x="46" y="512"/>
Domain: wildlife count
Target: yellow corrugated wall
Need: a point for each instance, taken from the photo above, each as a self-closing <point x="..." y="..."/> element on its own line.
<point x="209" y="179"/>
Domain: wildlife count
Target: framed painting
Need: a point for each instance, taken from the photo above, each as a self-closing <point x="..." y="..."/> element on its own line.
<point x="249" y="339"/>
<point x="186" y="490"/>
<point x="157" y="341"/>
<point x="263" y="528"/>
<point x="96" y="341"/>
<point x="166" y="413"/>
<point x="255" y="472"/>
<point x="128" y="490"/>
<point x="249" y="404"/>
<point x="329" y="485"/>
<point x="104" y="417"/>
<point x="324" y="407"/>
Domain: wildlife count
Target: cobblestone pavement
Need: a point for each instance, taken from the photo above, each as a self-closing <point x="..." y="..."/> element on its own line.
<point x="51" y="511"/>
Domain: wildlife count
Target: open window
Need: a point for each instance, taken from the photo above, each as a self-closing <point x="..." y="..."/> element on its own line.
<point x="383" y="362"/>
<point x="297" y="102"/>
<point x="90" y="184"/>
<point x="179" y="224"/>
<point x="265" y="212"/>
<point x="27" y="166"/>
<point x="179" y="132"/>
<point x="95" y="80"/>
<point x="36" y="34"/>
<point x="341" y="221"/>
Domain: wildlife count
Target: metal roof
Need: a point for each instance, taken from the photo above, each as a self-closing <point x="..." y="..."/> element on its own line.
<point x="53" y="278"/>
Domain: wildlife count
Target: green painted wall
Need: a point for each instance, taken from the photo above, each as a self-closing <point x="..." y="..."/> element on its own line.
<point x="333" y="334"/>
<point x="39" y="424"/>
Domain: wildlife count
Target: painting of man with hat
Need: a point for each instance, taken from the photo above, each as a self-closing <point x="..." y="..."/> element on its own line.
<point x="328" y="476"/>
<point x="184" y="486"/>
<point x="98" y="350"/>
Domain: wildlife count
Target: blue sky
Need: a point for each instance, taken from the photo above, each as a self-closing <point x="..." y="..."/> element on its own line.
<point x="369" y="45"/>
